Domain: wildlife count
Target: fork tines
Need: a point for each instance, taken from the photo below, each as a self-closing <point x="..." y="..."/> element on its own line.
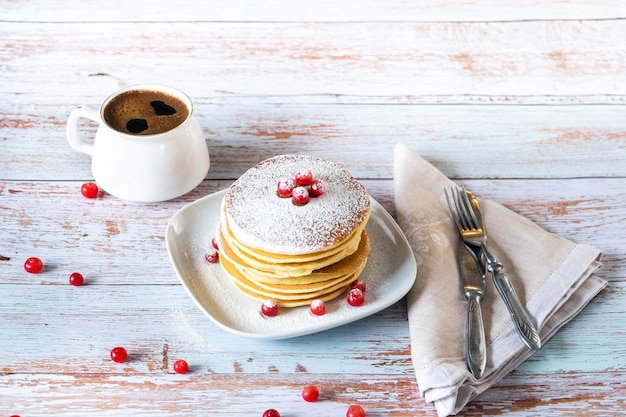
<point x="461" y="208"/>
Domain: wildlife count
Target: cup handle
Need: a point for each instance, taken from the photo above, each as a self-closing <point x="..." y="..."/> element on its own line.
<point x="75" y="141"/>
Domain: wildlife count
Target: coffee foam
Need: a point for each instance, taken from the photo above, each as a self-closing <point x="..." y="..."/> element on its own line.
<point x="136" y="105"/>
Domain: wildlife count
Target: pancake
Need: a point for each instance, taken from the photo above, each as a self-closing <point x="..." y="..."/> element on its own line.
<point x="272" y="248"/>
<point x="293" y="293"/>
<point x="262" y="220"/>
<point x="288" y="266"/>
<point x="343" y="267"/>
<point x="294" y="303"/>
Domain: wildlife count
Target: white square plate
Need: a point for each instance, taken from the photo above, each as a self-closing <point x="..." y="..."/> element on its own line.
<point x="389" y="275"/>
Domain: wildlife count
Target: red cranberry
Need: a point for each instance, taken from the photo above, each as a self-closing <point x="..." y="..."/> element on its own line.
<point x="317" y="188"/>
<point x="318" y="307"/>
<point x="212" y="256"/>
<point x="300" y="196"/>
<point x="310" y="394"/>
<point x="181" y="366"/>
<point x="89" y="189"/>
<point x="269" y="308"/>
<point x="355" y="297"/>
<point x="285" y="187"/>
<point x="271" y="413"/>
<point x="355" y="411"/>
<point x="76" y="279"/>
<point x="119" y="354"/>
<point x="304" y="177"/>
<point x="33" y="265"/>
<point x="214" y="243"/>
<point x="360" y="284"/>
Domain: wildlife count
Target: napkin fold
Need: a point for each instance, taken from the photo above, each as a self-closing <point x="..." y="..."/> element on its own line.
<point x="552" y="277"/>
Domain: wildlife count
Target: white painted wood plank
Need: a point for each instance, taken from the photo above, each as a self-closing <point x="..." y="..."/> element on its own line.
<point x="159" y="324"/>
<point x="463" y="141"/>
<point x="578" y="394"/>
<point x="321" y="10"/>
<point x="237" y="395"/>
<point x="371" y="59"/>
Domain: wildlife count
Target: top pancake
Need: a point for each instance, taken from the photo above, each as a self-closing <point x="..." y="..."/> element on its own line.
<point x="262" y="220"/>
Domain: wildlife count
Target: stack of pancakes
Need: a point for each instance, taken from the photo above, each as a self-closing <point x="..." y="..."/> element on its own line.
<point x="272" y="249"/>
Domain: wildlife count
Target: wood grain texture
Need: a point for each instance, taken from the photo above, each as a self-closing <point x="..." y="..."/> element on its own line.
<point x="517" y="141"/>
<point x="523" y="102"/>
<point x="97" y="317"/>
<point x="381" y="395"/>
<point x="386" y="60"/>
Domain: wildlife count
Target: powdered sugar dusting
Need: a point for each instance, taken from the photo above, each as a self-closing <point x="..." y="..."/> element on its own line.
<point x="261" y="219"/>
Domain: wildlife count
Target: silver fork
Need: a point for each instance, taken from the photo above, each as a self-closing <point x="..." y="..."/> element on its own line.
<point x="466" y="213"/>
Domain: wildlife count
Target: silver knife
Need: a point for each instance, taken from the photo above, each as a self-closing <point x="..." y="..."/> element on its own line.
<point x="521" y="317"/>
<point x="473" y="277"/>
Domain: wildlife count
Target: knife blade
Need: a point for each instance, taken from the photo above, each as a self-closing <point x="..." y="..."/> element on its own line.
<point x="473" y="279"/>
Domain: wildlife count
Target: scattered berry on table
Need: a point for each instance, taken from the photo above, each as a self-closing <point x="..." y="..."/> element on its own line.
<point x="269" y="308"/>
<point x="355" y="411"/>
<point x="317" y="188"/>
<point x="214" y="243"/>
<point x="310" y="393"/>
<point x="360" y="284"/>
<point x="318" y="307"/>
<point x="76" y="279"/>
<point x="119" y="354"/>
<point x="355" y="297"/>
<point x="212" y="256"/>
<point x="271" y="413"/>
<point x="304" y="177"/>
<point x="285" y="187"/>
<point x="89" y="189"/>
<point x="181" y="366"/>
<point x="300" y="196"/>
<point x="33" y="265"/>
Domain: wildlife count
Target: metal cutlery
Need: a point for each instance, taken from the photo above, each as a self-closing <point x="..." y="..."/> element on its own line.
<point x="466" y="213"/>
<point x="473" y="277"/>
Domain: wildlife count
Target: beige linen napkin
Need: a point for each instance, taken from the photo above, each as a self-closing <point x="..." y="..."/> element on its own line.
<point x="552" y="276"/>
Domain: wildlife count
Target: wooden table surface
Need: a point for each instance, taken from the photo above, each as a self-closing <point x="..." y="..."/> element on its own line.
<point x="524" y="102"/>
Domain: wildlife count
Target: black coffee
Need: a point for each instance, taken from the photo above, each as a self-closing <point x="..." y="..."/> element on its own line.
<point x="145" y="112"/>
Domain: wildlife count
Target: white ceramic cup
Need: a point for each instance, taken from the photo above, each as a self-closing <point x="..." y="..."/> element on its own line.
<point x="143" y="168"/>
